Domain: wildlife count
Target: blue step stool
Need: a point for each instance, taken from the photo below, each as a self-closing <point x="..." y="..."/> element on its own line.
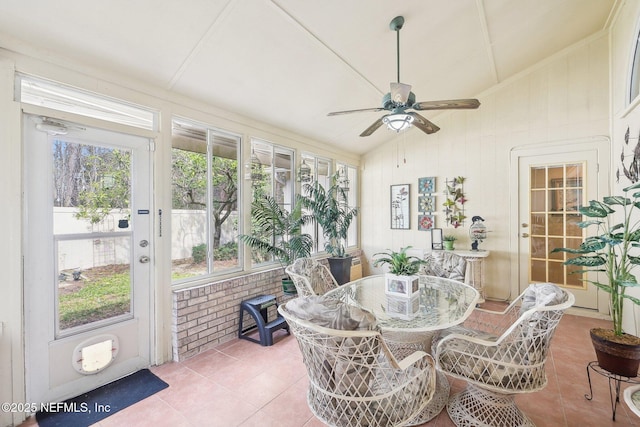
<point x="258" y="307"/>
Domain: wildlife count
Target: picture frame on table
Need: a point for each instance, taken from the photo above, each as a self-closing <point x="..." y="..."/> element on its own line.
<point x="436" y="239"/>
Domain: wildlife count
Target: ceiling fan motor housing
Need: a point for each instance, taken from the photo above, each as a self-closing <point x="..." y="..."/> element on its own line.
<point x="388" y="104"/>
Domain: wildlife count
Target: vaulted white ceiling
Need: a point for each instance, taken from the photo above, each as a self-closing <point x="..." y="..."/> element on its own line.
<point x="290" y="62"/>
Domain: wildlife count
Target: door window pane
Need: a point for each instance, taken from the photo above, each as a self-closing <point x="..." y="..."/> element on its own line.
<point x="556" y="195"/>
<point x="91" y="209"/>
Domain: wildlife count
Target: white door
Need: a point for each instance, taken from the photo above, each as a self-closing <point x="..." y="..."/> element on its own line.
<point x="87" y="295"/>
<point x="553" y="182"/>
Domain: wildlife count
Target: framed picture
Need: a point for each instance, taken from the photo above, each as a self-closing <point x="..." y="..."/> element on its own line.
<point x="436" y="239"/>
<point x="427" y="204"/>
<point x="401" y="286"/>
<point x="425" y="222"/>
<point x="427" y="185"/>
<point x="400" y="216"/>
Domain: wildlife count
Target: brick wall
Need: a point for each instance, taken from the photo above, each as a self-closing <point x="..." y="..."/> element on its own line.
<point x="207" y="315"/>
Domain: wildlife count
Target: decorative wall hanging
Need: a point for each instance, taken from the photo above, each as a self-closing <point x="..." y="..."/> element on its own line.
<point x="400" y="207"/>
<point x="427" y="185"/>
<point x="426" y="203"/>
<point x="633" y="171"/>
<point x="425" y="222"/>
<point x="454" y="203"/>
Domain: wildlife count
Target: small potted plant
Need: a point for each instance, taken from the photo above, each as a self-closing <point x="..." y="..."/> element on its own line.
<point x="613" y="252"/>
<point x="448" y="240"/>
<point x="277" y="232"/>
<point x="401" y="280"/>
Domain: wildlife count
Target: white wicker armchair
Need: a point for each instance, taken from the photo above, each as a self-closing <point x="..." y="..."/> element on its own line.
<point x="310" y="277"/>
<point x="501" y="354"/>
<point x="354" y="380"/>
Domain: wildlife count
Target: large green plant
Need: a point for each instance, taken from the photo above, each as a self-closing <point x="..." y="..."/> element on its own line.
<point x="331" y="211"/>
<point x="277" y="231"/>
<point x="399" y="262"/>
<point x="609" y="251"/>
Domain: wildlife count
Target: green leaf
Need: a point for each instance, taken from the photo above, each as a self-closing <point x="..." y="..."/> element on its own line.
<point x="634" y="299"/>
<point x="585" y="224"/>
<point x="616" y="200"/>
<point x="596" y="209"/>
<point x="587" y="261"/>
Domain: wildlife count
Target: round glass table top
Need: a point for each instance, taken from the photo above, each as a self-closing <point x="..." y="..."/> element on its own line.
<point x="436" y="303"/>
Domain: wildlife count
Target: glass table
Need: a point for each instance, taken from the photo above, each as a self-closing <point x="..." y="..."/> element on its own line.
<point x="409" y="324"/>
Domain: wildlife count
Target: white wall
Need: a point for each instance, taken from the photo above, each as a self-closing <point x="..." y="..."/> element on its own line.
<point x="566" y="97"/>
<point x="623" y="116"/>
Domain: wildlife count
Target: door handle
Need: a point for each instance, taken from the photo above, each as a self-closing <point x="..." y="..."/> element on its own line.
<point x="144" y="259"/>
<point x="525" y="235"/>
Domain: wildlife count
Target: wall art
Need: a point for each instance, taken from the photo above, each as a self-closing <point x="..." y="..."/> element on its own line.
<point x="400" y="207"/>
<point x="454" y="202"/>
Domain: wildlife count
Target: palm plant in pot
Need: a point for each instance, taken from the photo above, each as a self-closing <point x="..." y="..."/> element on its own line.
<point x="277" y="232"/>
<point x="610" y="252"/>
<point x="331" y="211"/>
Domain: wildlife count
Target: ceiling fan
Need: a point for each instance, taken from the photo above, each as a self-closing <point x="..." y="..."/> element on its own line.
<point x="400" y="99"/>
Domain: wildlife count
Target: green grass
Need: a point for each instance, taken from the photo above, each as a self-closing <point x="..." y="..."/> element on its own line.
<point x="106" y="297"/>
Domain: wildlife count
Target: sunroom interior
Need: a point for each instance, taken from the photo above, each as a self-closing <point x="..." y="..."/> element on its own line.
<point x="244" y="88"/>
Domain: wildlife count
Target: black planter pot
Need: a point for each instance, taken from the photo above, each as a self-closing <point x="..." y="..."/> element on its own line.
<point x="288" y="287"/>
<point x="617" y="358"/>
<point x="340" y="269"/>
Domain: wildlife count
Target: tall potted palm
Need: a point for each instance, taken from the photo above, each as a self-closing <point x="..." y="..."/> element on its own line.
<point x="613" y="252"/>
<point x="331" y="211"/>
<point x="277" y="232"/>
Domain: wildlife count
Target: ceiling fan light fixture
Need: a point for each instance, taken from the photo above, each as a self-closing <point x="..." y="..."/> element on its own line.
<point x="398" y="122"/>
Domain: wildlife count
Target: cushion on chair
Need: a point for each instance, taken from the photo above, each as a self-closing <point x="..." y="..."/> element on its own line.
<point x="332" y="313"/>
<point x="445" y="264"/>
<point x="541" y="294"/>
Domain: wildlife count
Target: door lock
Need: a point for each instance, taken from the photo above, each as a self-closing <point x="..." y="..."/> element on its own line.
<point x="144" y="259"/>
<point x="525" y="234"/>
<point x="144" y="243"/>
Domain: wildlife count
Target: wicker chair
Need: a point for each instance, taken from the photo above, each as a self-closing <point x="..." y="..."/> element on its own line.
<point x="445" y="264"/>
<point x="501" y="354"/>
<point x="354" y="380"/>
<point x="310" y="277"/>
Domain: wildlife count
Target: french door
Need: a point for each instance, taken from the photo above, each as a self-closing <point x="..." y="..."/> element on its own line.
<point x="553" y="183"/>
<point x="88" y="300"/>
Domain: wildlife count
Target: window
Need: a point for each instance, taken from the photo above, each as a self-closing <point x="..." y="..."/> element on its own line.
<point x="320" y="170"/>
<point x="349" y="181"/>
<point x="205" y="194"/>
<point x="72" y="100"/>
<point x="271" y="174"/>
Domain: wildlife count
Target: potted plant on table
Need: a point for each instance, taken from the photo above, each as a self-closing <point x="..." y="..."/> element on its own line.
<point x="401" y="280"/>
<point x="278" y="232"/>
<point x="610" y="252"/>
<point x="331" y="211"/>
<point x="448" y="241"/>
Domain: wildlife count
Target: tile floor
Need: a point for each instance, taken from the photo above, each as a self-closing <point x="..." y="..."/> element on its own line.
<point x="244" y="384"/>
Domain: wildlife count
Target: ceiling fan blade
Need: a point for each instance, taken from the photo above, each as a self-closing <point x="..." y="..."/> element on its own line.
<point x="363" y="110"/>
<point x="400" y="92"/>
<point x="368" y="131"/>
<point x="449" y="104"/>
<point x="423" y="124"/>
